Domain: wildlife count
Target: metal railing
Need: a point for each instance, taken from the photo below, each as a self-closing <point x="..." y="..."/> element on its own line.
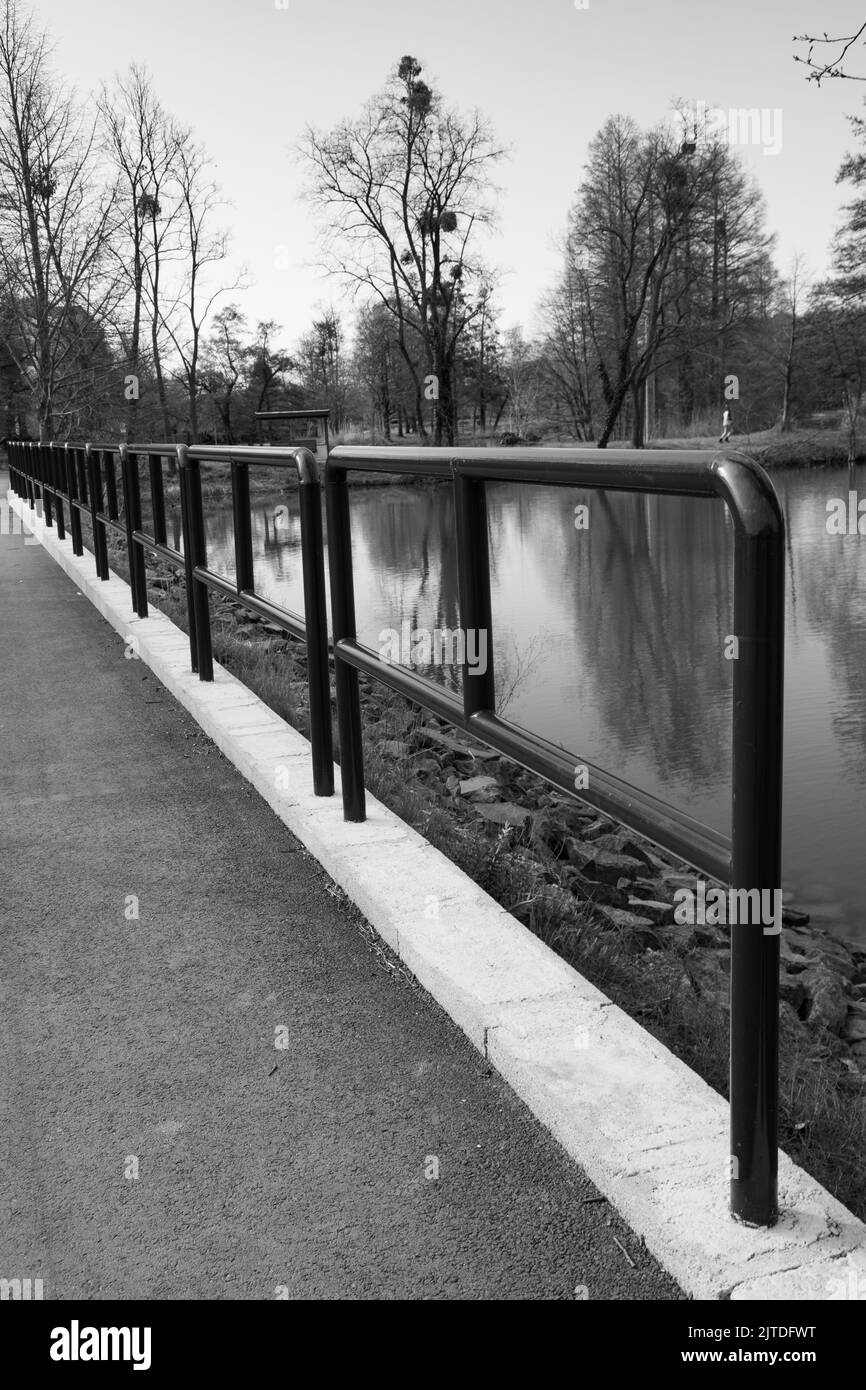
<point x="751" y="858"/>
<point x="69" y="480"/>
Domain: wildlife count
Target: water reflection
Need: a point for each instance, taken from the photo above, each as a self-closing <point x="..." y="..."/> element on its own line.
<point x="610" y="641"/>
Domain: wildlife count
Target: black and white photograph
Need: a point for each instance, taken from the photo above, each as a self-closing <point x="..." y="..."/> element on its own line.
<point x="432" y="673"/>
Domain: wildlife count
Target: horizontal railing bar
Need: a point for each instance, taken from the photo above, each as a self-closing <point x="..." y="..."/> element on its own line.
<point x="168" y="552"/>
<point x="397" y="460"/>
<point x="282" y="617"/>
<point x="267" y="455"/>
<point x="670" y="471"/>
<point x="442" y="702"/>
<point x="215" y="581"/>
<point x="698" y="844"/>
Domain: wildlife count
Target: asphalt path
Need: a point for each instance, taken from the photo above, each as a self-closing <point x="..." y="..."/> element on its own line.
<point x="215" y="1081"/>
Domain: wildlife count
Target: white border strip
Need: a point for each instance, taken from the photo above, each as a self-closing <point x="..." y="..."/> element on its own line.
<point x="645" y="1128"/>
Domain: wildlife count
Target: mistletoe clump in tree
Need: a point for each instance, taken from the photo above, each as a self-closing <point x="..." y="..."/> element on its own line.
<point x="402" y="190"/>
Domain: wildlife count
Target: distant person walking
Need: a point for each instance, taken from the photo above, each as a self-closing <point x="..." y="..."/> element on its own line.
<point x="727" y="427"/>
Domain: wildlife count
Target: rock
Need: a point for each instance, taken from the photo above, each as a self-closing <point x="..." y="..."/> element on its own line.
<point x="854" y="1029"/>
<point x="790" y="955"/>
<point x="477" y="784"/>
<point x="579" y="853"/>
<point x="792" y="918"/>
<point x="788" y="1017"/>
<point x="623" y="843"/>
<point x="818" y="944"/>
<point x="826" y="1004"/>
<point x="609" y="867"/>
<point x="447" y="741"/>
<point x="657" y="912"/>
<point x="504" y="813"/>
<point x="591" y="891"/>
<point x="653" y="888"/>
<point x="675" y="879"/>
<point x="601" y="826"/>
<point x="602" y="863"/>
<point x="791" y="989"/>
<point x="623" y="918"/>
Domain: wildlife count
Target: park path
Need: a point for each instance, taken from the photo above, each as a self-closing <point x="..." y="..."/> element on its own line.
<point x="158" y="926"/>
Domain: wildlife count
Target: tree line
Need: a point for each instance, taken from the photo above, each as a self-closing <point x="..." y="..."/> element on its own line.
<point x="118" y="316"/>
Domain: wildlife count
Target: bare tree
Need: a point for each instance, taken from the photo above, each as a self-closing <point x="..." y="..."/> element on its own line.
<point x="270" y="366"/>
<point x="54" y="223"/>
<point x="225" y="365"/>
<point x="403" y="189"/>
<point x="792" y="304"/>
<point x="521" y="379"/>
<point x="567" y="355"/>
<point x="142" y="143"/>
<point x="198" y="248"/>
<point x="832" y="67"/>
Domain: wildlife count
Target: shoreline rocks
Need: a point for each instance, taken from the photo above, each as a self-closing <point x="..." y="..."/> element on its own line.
<point x="594" y="866"/>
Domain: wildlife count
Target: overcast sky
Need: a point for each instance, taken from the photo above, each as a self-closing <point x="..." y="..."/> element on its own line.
<point x="248" y="76"/>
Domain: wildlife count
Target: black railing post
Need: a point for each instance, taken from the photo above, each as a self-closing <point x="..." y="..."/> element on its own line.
<point x="31" y="475"/>
<point x="316" y="623"/>
<point x="55" y="460"/>
<point x="473" y="572"/>
<point x="44" y="480"/>
<point x="756" y="838"/>
<point x="157" y="497"/>
<point x="100" y="544"/>
<point x="198" y="557"/>
<point x="244" y="570"/>
<point x="72" y="491"/>
<point x="343" y="618"/>
<point x="132" y="516"/>
<point x="110" y="483"/>
<point x="81" y="465"/>
<point x="188" y="563"/>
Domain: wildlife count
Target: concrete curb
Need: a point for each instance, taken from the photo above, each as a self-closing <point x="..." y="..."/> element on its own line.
<point x="648" y="1131"/>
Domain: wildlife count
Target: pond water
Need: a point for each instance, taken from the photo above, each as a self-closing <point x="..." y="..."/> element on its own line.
<point x="609" y="641"/>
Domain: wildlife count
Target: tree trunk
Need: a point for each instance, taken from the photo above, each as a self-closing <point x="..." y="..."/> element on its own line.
<point x="637" y="418"/>
<point x="443" y="415"/>
<point x="613" y="413"/>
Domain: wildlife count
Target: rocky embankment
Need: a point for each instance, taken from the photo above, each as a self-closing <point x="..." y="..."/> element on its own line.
<point x="588" y="866"/>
